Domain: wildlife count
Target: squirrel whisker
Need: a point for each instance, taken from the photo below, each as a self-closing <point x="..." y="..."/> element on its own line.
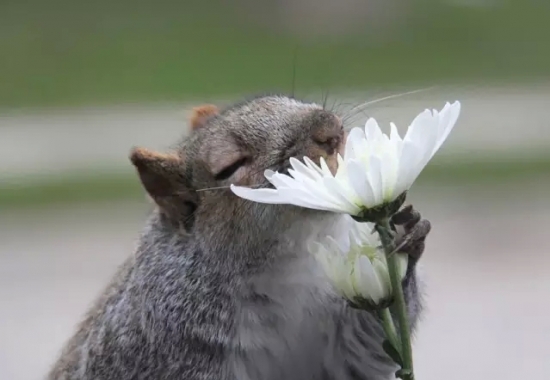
<point x="224" y="187"/>
<point x="353" y="112"/>
<point x="213" y="188"/>
<point x="370" y="102"/>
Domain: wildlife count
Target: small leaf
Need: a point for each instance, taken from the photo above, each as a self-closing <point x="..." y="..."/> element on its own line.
<point x="392" y="352"/>
<point x="405" y="374"/>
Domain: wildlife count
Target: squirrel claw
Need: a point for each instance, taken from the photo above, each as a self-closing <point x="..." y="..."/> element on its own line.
<point x="412" y="241"/>
<point x="408" y="217"/>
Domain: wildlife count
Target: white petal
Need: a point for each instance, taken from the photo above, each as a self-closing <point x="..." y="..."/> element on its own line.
<point x="344" y="242"/>
<point x="448" y="124"/>
<point x="356" y="134"/>
<point x="317" y="189"/>
<point x="341" y="167"/>
<point x="366" y="280"/>
<point x="422" y="133"/>
<point x="333" y="246"/>
<point x="383" y="276"/>
<point x="372" y="130"/>
<point x="394" y="133"/>
<point x="388" y="173"/>
<point x="353" y="142"/>
<point x="268" y="174"/>
<point x="299" y="176"/>
<point x="343" y="277"/>
<point x="312" y="165"/>
<point x="258" y="195"/>
<point x="362" y="149"/>
<point x="416" y="129"/>
<point x="422" y="136"/>
<point x="426" y="151"/>
<point x="408" y="161"/>
<point x="304" y="199"/>
<point x="282" y="180"/>
<point x="303" y="169"/>
<point x="374" y="174"/>
<point x="429" y="137"/>
<point x="305" y="179"/>
<point x="403" y="260"/>
<point x="396" y="141"/>
<point x="340" y="193"/>
<point x="357" y="177"/>
<point x="324" y="167"/>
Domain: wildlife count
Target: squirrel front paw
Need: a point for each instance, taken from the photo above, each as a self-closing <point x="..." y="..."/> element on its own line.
<point x="411" y="239"/>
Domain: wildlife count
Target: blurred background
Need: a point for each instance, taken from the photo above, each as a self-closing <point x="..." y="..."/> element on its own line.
<point x="81" y="82"/>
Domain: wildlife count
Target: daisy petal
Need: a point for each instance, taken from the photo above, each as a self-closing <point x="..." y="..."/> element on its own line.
<point x="304" y="199"/>
<point x="394" y="133"/>
<point x="258" y="195"/>
<point x="383" y="276"/>
<point x="372" y="130"/>
<point x="366" y="279"/>
<point x="312" y="165"/>
<point x="355" y="136"/>
<point x="448" y="125"/>
<point x="358" y="179"/>
<point x="324" y="167"/>
<point x="282" y="180"/>
<point x="374" y="174"/>
<point x="303" y="169"/>
<point x="339" y="193"/>
<point x="403" y="260"/>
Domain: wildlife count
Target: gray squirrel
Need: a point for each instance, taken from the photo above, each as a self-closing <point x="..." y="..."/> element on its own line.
<point x="221" y="288"/>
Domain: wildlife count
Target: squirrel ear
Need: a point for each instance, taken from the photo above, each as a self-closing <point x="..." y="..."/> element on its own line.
<point x="200" y="114"/>
<point x="158" y="172"/>
<point x="162" y="176"/>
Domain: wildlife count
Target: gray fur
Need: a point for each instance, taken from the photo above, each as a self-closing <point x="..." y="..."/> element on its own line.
<point x="233" y="295"/>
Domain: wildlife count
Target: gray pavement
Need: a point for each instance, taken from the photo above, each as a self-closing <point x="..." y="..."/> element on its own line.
<point x="504" y="120"/>
<point x="487" y="275"/>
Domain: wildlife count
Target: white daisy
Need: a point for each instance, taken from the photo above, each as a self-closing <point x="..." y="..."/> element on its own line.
<point x="357" y="267"/>
<point x="376" y="169"/>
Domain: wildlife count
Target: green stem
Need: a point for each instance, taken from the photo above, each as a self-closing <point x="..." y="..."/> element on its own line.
<point x="389" y="328"/>
<point x="384" y="230"/>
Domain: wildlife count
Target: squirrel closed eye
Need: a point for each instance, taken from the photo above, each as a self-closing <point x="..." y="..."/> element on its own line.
<point x="230" y="170"/>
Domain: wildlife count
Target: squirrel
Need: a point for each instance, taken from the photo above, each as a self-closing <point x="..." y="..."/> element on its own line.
<point x="221" y="288"/>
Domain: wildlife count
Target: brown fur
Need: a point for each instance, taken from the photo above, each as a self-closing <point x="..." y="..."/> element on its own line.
<point x="163" y="177"/>
<point x="201" y="114"/>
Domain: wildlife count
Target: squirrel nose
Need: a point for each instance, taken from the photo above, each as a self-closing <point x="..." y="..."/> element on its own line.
<point x="329" y="144"/>
<point x="328" y="132"/>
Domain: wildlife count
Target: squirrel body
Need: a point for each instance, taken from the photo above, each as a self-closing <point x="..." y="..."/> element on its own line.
<point x="224" y="289"/>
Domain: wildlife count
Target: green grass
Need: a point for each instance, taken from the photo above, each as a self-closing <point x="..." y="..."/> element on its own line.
<point x="75" y="188"/>
<point x="75" y="52"/>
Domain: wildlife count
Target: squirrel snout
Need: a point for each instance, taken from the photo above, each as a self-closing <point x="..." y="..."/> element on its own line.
<point x="327" y="138"/>
<point x="327" y="132"/>
<point x="330" y="144"/>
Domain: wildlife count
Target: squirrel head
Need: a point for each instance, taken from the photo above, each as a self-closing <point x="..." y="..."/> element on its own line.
<point x="235" y="146"/>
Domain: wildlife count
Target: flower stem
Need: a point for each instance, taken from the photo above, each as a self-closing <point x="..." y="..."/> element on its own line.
<point x="384" y="230"/>
<point x="389" y="328"/>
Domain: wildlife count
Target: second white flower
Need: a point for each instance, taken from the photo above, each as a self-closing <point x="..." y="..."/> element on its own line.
<point x="356" y="266"/>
